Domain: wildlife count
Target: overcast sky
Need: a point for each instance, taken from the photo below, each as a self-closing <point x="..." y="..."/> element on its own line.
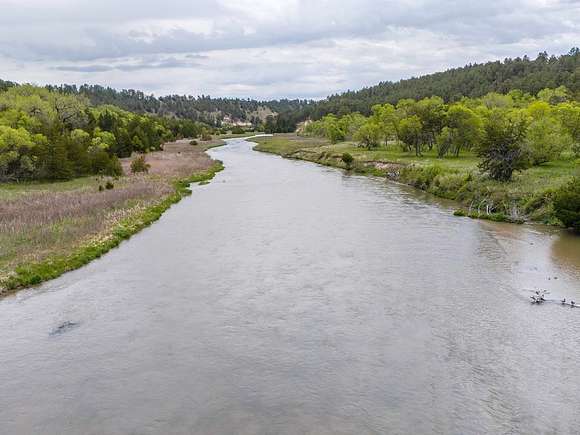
<point x="269" y="48"/>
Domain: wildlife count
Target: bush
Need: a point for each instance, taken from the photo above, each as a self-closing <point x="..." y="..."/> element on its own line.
<point x="114" y="169"/>
<point x="205" y="135"/>
<point x="193" y="142"/>
<point x="109" y="185"/>
<point x="139" y="164"/>
<point x="101" y="163"/>
<point x="238" y="130"/>
<point x="348" y="159"/>
<point x="567" y="204"/>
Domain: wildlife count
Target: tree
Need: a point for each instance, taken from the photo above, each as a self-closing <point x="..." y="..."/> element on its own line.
<point x="334" y="129"/>
<point x="463" y="130"/>
<point x="384" y="115"/>
<point x="546" y="139"/>
<point x="17" y="154"/>
<point x="554" y="96"/>
<point x="501" y="149"/>
<point x="569" y="115"/>
<point x="57" y="165"/>
<point x="431" y="111"/>
<point x="351" y="123"/>
<point x="369" y="135"/>
<point x="410" y="133"/>
<point x="567" y="204"/>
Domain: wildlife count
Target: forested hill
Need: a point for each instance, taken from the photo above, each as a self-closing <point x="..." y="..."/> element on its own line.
<point x="473" y="80"/>
<point x="202" y="108"/>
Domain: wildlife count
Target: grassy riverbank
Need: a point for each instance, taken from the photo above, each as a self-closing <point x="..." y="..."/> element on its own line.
<point x="47" y="229"/>
<point x="529" y="197"/>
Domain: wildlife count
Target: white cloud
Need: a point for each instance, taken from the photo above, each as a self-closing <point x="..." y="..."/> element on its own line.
<point x="264" y="48"/>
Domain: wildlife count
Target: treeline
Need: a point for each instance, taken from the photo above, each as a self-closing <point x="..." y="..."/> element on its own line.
<point x="201" y="108"/>
<point x="473" y="80"/>
<point x="508" y="131"/>
<point x="5" y="85"/>
<point x="46" y="134"/>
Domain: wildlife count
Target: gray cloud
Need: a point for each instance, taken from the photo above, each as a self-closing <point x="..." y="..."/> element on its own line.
<point x="269" y="49"/>
<point x="141" y="64"/>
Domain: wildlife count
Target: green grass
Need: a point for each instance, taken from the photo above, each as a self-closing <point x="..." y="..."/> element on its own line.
<point x="37" y="272"/>
<point x="527" y="197"/>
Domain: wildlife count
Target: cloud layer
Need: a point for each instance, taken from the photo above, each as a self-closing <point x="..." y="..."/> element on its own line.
<point x="269" y="49"/>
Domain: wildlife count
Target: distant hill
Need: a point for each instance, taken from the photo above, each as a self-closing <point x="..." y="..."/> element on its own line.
<point x="201" y="108"/>
<point x="473" y="80"/>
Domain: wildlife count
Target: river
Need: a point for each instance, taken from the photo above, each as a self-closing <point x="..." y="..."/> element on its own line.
<point x="290" y="298"/>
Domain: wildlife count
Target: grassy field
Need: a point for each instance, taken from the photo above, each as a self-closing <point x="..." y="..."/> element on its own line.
<point x="527" y="197"/>
<point x="49" y="228"/>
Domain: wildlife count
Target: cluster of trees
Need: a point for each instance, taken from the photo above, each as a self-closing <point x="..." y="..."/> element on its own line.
<point x="473" y="80"/>
<point x="508" y="131"/>
<point x="46" y="134"/>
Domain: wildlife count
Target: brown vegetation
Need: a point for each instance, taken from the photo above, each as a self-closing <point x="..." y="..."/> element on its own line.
<point x="41" y="220"/>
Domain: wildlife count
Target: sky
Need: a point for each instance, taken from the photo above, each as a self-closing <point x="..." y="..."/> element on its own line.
<point x="269" y="49"/>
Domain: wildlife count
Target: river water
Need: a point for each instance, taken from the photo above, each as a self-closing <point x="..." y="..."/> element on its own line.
<point x="290" y="298"/>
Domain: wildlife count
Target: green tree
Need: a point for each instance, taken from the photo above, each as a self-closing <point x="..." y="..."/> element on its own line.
<point x="431" y="111"/>
<point x="569" y="115"/>
<point x="17" y="154"/>
<point x="334" y="129"/>
<point x="501" y="149"/>
<point x="463" y="130"/>
<point x="554" y="96"/>
<point x="567" y="204"/>
<point x="385" y="116"/>
<point x="546" y="140"/>
<point x="411" y="133"/>
<point x="369" y="135"/>
<point x="57" y="165"/>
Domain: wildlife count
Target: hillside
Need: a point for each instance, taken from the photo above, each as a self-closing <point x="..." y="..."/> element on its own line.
<point x="473" y="80"/>
<point x="202" y="108"/>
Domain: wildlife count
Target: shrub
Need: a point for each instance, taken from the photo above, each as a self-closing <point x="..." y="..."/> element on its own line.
<point x="567" y="204"/>
<point x="348" y="159"/>
<point x="238" y="130"/>
<point x="139" y="164"/>
<point x="109" y="185"/>
<point x="205" y="135"/>
<point x="193" y="142"/>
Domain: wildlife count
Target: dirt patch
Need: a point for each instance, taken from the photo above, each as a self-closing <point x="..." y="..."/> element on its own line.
<point x="391" y="169"/>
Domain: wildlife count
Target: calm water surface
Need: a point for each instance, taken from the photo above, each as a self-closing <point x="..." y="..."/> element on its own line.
<point x="288" y="298"/>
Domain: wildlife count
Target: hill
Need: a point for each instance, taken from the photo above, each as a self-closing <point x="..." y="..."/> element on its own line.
<point x="213" y="111"/>
<point x="473" y="80"/>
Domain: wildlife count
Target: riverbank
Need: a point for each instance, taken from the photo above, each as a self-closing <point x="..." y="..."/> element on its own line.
<point x="47" y="229"/>
<point x="529" y="197"/>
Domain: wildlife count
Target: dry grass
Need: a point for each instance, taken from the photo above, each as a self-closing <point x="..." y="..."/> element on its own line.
<point x="39" y="209"/>
<point x="177" y="160"/>
<point x="38" y="220"/>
